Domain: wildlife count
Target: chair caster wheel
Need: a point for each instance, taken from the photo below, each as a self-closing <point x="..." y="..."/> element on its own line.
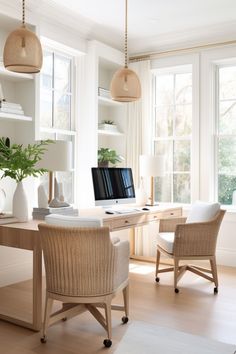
<point x="215" y="290"/>
<point x="107" y="343"/>
<point x="64" y="319"/>
<point x="43" y="339"/>
<point x="125" y="319"/>
<point x="176" y="290"/>
<point x="157" y="279"/>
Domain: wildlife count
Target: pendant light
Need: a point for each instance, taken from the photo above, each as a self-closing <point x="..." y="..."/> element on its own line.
<point x="125" y="84"/>
<point x="23" y="51"/>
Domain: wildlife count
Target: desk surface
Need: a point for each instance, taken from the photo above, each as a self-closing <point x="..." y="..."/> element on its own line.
<point x="24" y="235"/>
<point x="111" y="220"/>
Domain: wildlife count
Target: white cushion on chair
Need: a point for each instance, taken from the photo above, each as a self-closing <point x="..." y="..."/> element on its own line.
<point x="166" y="240"/>
<point x="72" y="221"/>
<point x="202" y="211"/>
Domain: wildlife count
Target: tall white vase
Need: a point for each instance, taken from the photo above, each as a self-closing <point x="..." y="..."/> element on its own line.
<point x="20" y="204"/>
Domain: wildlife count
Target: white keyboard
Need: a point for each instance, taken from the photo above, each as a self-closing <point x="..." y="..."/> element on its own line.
<point x="125" y="211"/>
<point x="120" y="211"/>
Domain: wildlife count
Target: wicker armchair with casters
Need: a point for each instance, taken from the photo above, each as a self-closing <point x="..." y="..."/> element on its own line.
<point x="192" y="238"/>
<point x="84" y="270"/>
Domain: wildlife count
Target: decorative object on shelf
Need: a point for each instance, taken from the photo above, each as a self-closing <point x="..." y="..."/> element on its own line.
<point x="125" y="84"/>
<point x="152" y="166"/>
<point x="56" y="158"/>
<point x="104" y="93"/>
<point x="42" y="197"/>
<point x="22" y="50"/>
<point x="19" y="162"/>
<point x="10" y="107"/>
<point x="106" y="156"/>
<point x="108" y="125"/>
<point x="2" y="200"/>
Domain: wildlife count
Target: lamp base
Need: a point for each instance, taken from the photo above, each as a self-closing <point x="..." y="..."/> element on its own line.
<point x="152" y="204"/>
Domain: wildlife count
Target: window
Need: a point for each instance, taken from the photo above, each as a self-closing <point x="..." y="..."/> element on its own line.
<point x="226" y="133"/>
<point x="56" y="108"/>
<point x="172" y="132"/>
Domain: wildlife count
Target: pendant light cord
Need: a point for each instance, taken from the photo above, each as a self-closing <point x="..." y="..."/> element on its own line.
<point x="23" y="13"/>
<point x="126" y="35"/>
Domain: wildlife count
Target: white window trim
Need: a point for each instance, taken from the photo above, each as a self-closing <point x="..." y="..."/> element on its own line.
<point x="210" y="60"/>
<point x="174" y="63"/>
<point x="67" y="52"/>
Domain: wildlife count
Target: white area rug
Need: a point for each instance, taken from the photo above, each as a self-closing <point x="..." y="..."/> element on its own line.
<point x="143" y="338"/>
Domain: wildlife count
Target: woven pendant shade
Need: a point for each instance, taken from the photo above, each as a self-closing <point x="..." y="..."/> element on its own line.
<point x="125" y="85"/>
<point x="22" y="51"/>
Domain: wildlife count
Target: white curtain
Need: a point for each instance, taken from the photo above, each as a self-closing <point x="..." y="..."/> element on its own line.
<point x="139" y="142"/>
<point x="138" y="120"/>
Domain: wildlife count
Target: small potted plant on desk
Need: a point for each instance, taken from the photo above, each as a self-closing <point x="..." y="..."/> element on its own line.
<point x="19" y="162"/>
<point x="106" y="156"/>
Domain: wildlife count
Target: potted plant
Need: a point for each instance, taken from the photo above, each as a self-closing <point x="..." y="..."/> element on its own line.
<point x="108" y="125"/>
<point x="19" y="162"/>
<point x="106" y="156"/>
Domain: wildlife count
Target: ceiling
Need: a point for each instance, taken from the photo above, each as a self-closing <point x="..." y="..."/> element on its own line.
<point x="152" y="24"/>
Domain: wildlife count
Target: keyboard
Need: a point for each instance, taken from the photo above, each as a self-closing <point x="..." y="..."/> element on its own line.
<point x="124" y="211"/>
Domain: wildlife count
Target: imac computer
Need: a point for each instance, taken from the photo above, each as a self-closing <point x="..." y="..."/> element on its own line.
<point x="113" y="186"/>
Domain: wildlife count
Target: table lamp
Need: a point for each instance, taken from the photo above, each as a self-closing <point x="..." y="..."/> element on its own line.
<point x="152" y="166"/>
<point x="57" y="157"/>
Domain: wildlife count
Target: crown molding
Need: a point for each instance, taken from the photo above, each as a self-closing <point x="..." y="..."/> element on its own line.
<point x="195" y="37"/>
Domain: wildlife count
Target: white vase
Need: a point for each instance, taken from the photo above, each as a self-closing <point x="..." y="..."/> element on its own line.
<point x="42" y="197"/>
<point x="20" y="204"/>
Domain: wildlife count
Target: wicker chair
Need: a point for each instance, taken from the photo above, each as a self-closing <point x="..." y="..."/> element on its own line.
<point x="84" y="270"/>
<point x="189" y="241"/>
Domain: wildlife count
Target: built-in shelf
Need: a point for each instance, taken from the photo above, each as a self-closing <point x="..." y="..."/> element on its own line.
<point x="109" y="132"/>
<point x="58" y="131"/>
<point x="15" y="117"/>
<point x="12" y="76"/>
<point x="108" y="101"/>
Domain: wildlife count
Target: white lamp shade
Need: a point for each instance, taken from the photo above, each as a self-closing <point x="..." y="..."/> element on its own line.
<point x="57" y="157"/>
<point x="152" y="165"/>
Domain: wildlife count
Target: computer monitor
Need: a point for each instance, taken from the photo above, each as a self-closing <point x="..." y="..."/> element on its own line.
<point x="113" y="186"/>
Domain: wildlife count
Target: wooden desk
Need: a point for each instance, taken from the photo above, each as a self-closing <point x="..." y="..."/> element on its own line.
<point x="25" y="236"/>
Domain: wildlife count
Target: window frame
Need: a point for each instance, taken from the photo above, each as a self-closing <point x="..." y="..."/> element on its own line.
<point x="178" y="64"/>
<point x="56" y="132"/>
<point x="210" y="61"/>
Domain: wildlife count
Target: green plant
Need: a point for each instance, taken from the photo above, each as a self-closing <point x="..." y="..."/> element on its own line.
<point x="19" y="162"/>
<point x="107" y="121"/>
<point x="106" y="155"/>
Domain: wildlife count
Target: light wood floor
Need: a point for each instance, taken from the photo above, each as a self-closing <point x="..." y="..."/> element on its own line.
<point x="194" y="310"/>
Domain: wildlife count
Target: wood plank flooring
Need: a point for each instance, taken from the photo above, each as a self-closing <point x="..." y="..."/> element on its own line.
<point x="195" y="310"/>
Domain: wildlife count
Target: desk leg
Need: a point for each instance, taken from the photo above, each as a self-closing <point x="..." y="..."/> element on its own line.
<point x="36" y="323"/>
<point x="132" y="241"/>
<point x="37" y="289"/>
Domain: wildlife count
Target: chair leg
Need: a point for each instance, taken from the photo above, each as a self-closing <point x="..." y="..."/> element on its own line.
<point x="157" y="264"/>
<point x="47" y="312"/>
<point x="126" y="300"/>
<point x="214" y="272"/>
<point x="176" y="270"/>
<point x="108" y="318"/>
